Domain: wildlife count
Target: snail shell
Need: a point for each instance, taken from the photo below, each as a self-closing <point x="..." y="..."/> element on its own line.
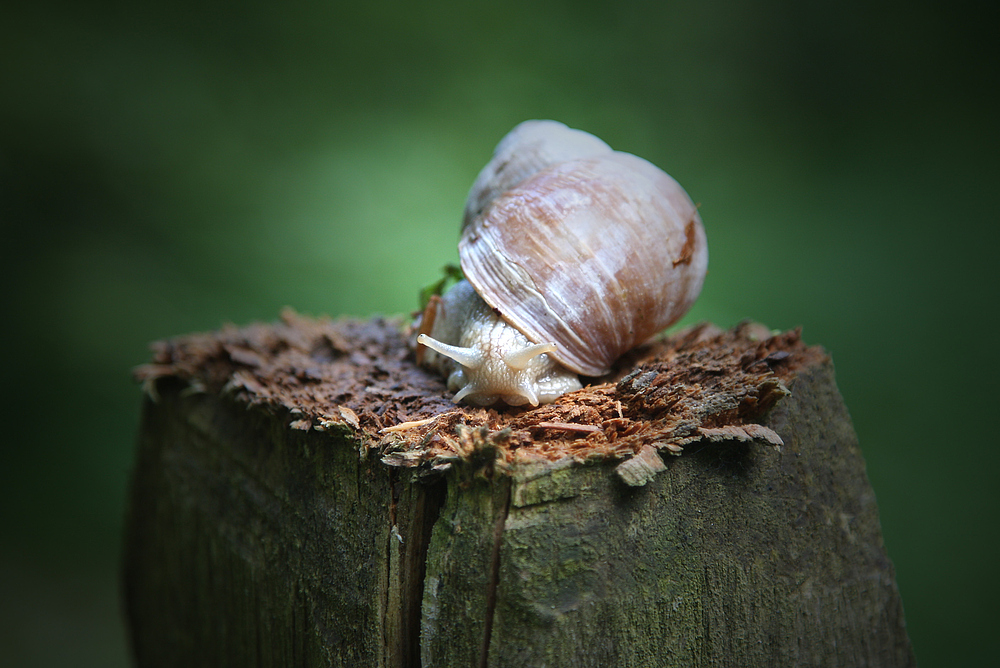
<point x="586" y="257"/>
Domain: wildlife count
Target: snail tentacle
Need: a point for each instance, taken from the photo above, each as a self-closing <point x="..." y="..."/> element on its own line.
<point x="467" y="357"/>
<point x="529" y="394"/>
<point x="519" y="359"/>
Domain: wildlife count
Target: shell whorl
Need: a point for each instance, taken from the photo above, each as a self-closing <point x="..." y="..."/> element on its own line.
<point x="523" y="152"/>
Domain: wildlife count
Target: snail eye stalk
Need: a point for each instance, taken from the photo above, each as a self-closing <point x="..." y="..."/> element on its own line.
<point x="467" y="357"/>
<point x="519" y="359"/>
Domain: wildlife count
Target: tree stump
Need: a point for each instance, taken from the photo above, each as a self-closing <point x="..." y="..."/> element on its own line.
<point x="303" y="494"/>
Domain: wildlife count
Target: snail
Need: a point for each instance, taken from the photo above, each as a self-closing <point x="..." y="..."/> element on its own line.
<point x="572" y="255"/>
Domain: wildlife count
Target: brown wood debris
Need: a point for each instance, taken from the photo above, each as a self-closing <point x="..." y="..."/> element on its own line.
<point x="701" y="384"/>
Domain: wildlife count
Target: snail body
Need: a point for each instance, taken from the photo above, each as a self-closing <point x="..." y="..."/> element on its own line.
<point x="583" y="255"/>
<point x="489" y="360"/>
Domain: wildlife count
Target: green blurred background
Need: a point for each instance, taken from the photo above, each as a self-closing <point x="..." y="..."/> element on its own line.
<point x="172" y="168"/>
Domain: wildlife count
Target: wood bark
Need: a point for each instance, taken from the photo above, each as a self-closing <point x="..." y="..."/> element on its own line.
<point x="251" y="542"/>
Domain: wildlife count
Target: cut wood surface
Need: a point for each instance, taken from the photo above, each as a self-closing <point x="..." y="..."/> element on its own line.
<point x="303" y="494"/>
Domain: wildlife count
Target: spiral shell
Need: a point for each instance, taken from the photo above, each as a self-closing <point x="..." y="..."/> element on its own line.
<point x="594" y="253"/>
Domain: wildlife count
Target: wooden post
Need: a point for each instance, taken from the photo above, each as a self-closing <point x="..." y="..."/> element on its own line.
<point x="303" y="495"/>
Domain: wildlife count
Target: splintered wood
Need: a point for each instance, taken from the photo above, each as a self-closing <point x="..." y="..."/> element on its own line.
<point x="700" y="385"/>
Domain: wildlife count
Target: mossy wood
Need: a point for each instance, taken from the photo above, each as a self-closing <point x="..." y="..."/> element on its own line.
<point x="266" y="529"/>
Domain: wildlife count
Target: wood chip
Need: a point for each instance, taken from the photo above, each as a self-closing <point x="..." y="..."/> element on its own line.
<point x="569" y="426"/>
<point x="350" y="417"/>
<point x="741" y="432"/>
<point x="403" y="426"/>
<point x="642" y="468"/>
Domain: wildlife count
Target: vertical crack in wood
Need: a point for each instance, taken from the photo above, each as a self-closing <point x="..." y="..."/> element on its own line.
<point x="390" y="631"/>
<point x="491" y="589"/>
<point x="414" y="507"/>
<point x="427" y="504"/>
